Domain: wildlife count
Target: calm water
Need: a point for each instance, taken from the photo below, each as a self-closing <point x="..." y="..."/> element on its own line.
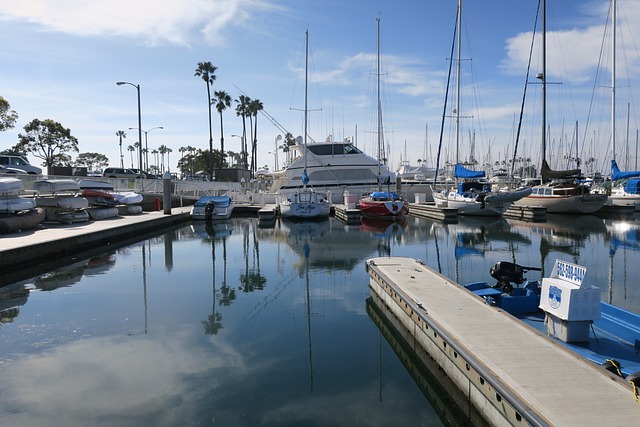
<point x="240" y="325"/>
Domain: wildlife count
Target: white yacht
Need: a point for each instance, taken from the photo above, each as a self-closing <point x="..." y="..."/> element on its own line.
<point x="332" y="167"/>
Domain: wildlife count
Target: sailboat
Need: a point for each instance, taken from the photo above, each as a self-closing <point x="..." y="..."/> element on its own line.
<point x="472" y="196"/>
<point x="382" y="204"/>
<point x="305" y="203"/>
<point x="624" y="190"/>
<point x="559" y="191"/>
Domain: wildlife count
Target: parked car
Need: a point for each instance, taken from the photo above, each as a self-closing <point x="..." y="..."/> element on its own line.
<point x="119" y="173"/>
<point x="146" y="174"/>
<point x="11" y="171"/>
<point x="19" y="162"/>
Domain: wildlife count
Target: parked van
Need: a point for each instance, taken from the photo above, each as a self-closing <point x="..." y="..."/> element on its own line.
<point x="119" y="173"/>
<point x="19" y="162"/>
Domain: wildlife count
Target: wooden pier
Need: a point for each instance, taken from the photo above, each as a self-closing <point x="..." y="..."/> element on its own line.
<point x="430" y="211"/>
<point x="512" y="374"/>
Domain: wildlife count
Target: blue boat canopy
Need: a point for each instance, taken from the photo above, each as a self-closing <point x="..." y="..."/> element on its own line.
<point x="384" y="195"/>
<point x="617" y="174"/>
<point x="221" y="201"/>
<point x="632" y="186"/>
<point x="462" y="172"/>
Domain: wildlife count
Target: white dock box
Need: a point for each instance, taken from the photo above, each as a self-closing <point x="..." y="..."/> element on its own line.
<point x="570" y="306"/>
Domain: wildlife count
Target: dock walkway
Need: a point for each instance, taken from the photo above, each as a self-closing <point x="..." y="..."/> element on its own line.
<point x="24" y="250"/>
<point x="513" y="374"/>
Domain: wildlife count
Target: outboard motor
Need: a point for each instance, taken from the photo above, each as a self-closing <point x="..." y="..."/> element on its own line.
<point x="208" y="209"/>
<point x="507" y="273"/>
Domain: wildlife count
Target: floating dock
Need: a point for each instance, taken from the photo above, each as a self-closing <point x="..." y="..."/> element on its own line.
<point x="346" y="214"/>
<point x="430" y="211"/>
<point x="512" y="374"/>
<point x="528" y="213"/>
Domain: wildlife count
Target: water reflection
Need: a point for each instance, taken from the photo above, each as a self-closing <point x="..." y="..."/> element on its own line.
<point x="183" y="327"/>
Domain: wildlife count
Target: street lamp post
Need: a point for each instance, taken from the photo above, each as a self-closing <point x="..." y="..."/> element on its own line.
<point x="241" y="145"/>
<point x="146" y="147"/>
<point x="139" y="123"/>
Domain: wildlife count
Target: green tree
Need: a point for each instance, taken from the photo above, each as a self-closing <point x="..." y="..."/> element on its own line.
<point x="242" y="109"/>
<point x="222" y="101"/>
<point x="93" y="161"/>
<point x="8" y="116"/>
<point x="47" y="140"/>
<point x="207" y="71"/>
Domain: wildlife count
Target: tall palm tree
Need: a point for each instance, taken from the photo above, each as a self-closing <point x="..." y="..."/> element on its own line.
<point x="162" y="150"/>
<point x="242" y="109"/>
<point x="254" y="106"/>
<point x="223" y="101"/>
<point x="207" y="71"/>
<point x="131" y="149"/>
<point x="121" y="135"/>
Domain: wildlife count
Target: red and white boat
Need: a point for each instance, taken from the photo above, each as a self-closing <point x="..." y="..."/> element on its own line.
<point x="384" y="205"/>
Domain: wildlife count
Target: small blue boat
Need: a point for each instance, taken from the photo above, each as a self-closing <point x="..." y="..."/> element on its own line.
<point x="607" y="335"/>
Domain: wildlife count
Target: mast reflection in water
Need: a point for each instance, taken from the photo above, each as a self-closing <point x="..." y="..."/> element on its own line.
<point x="235" y="324"/>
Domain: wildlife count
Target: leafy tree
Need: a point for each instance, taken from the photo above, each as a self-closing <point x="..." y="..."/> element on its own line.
<point x="222" y="101"/>
<point x="48" y="140"/>
<point x="93" y="161"/>
<point x="8" y="116"/>
<point x="207" y="71"/>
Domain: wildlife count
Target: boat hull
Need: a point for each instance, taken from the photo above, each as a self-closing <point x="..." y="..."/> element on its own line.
<point x="469" y="206"/>
<point x="24" y="220"/>
<point x="389" y="209"/>
<point x="305" y="204"/>
<point x="585" y="204"/>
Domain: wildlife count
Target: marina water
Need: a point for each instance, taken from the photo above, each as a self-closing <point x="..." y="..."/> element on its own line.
<point x="238" y="324"/>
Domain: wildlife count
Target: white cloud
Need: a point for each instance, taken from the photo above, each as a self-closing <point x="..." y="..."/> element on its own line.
<point x="154" y="21"/>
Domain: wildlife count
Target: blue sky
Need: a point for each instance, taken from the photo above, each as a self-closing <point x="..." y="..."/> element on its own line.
<point x="60" y="60"/>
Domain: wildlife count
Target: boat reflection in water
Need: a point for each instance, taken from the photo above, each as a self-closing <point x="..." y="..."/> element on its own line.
<point x="182" y="327"/>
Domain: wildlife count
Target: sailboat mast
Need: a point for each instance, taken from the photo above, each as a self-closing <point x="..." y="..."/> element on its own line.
<point x="458" y="82"/>
<point x="613" y="80"/>
<point x="381" y="156"/>
<point x="544" y="80"/>
<point x="306" y="109"/>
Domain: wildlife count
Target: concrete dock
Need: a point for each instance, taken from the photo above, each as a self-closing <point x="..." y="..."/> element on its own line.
<point x="30" y="248"/>
<point x="511" y="373"/>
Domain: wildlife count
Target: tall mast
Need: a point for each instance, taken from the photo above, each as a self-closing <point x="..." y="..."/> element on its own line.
<point x="306" y="111"/>
<point x="458" y="82"/>
<point x="544" y="79"/>
<point x="381" y="156"/>
<point x="613" y="80"/>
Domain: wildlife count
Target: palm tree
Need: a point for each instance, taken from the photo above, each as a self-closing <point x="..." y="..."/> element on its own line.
<point x="255" y="106"/>
<point x="223" y="101"/>
<point x="168" y="151"/>
<point x="131" y="149"/>
<point x="242" y="109"/>
<point x="206" y="70"/>
<point x="162" y="150"/>
<point x="121" y="134"/>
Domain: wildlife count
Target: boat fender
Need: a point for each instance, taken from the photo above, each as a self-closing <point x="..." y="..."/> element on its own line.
<point x="634" y="380"/>
<point x="613" y="366"/>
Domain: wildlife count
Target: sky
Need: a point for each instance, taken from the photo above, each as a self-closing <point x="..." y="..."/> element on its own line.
<point x="61" y="61"/>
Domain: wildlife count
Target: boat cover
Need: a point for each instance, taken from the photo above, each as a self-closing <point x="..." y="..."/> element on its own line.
<point x="548" y="173"/>
<point x="384" y="195"/>
<point x="617" y="174"/>
<point x="462" y="172"/>
<point x="632" y="186"/>
<point x="221" y="201"/>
